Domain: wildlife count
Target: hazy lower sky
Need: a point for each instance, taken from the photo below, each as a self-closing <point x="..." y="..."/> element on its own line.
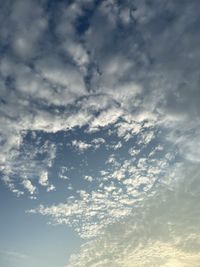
<point x="99" y="133"/>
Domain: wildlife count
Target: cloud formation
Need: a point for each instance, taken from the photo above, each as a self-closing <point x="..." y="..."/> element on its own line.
<point x="125" y="76"/>
<point x="163" y="230"/>
<point x="80" y="78"/>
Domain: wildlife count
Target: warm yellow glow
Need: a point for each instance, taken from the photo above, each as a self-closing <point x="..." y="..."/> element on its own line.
<point x="160" y="255"/>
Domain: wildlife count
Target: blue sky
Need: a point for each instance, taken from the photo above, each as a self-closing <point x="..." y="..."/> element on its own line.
<point x="99" y="135"/>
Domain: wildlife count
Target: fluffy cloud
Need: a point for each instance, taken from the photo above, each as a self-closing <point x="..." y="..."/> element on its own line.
<point x="80" y="145"/>
<point x="28" y="185"/>
<point x="44" y="181"/>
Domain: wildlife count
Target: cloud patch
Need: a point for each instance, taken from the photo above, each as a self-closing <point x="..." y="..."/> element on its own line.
<point x="160" y="231"/>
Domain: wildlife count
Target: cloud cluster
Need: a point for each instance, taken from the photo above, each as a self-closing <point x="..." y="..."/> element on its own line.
<point x="59" y="69"/>
<point x="163" y="230"/>
<point x="119" y="186"/>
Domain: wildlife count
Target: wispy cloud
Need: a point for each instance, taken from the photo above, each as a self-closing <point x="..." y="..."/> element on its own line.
<point x="13" y="254"/>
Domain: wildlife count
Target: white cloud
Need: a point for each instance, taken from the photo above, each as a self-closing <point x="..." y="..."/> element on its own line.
<point x="160" y="231"/>
<point x="29" y="186"/>
<point x="51" y="188"/>
<point x="59" y="72"/>
<point x="43" y="179"/>
<point x="80" y="145"/>
<point x="97" y="142"/>
<point x="127" y="129"/>
<point x="88" y="178"/>
<point x="105" y="118"/>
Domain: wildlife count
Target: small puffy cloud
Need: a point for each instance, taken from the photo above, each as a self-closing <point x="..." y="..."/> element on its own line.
<point x="88" y="178"/>
<point x="97" y="142"/>
<point x="127" y="129"/>
<point x="106" y="118"/>
<point x="51" y="188"/>
<point x="80" y="145"/>
<point x="29" y="186"/>
<point x="43" y="179"/>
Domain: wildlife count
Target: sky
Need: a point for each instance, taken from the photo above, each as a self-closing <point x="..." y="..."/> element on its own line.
<point x="99" y="133"/>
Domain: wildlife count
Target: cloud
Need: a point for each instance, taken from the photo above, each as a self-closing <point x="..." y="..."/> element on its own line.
<point x="22" y="30"/>
<point x="28" y="185"/>
<point x="97" y="142"/>
<point x="160" y="231"/>
<point x="106" y="117"/>
<point x="80" y="145"/>
<point x="88" y="178"/>
<point x="43" y="180"/>
<point x="13" y="254"/>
